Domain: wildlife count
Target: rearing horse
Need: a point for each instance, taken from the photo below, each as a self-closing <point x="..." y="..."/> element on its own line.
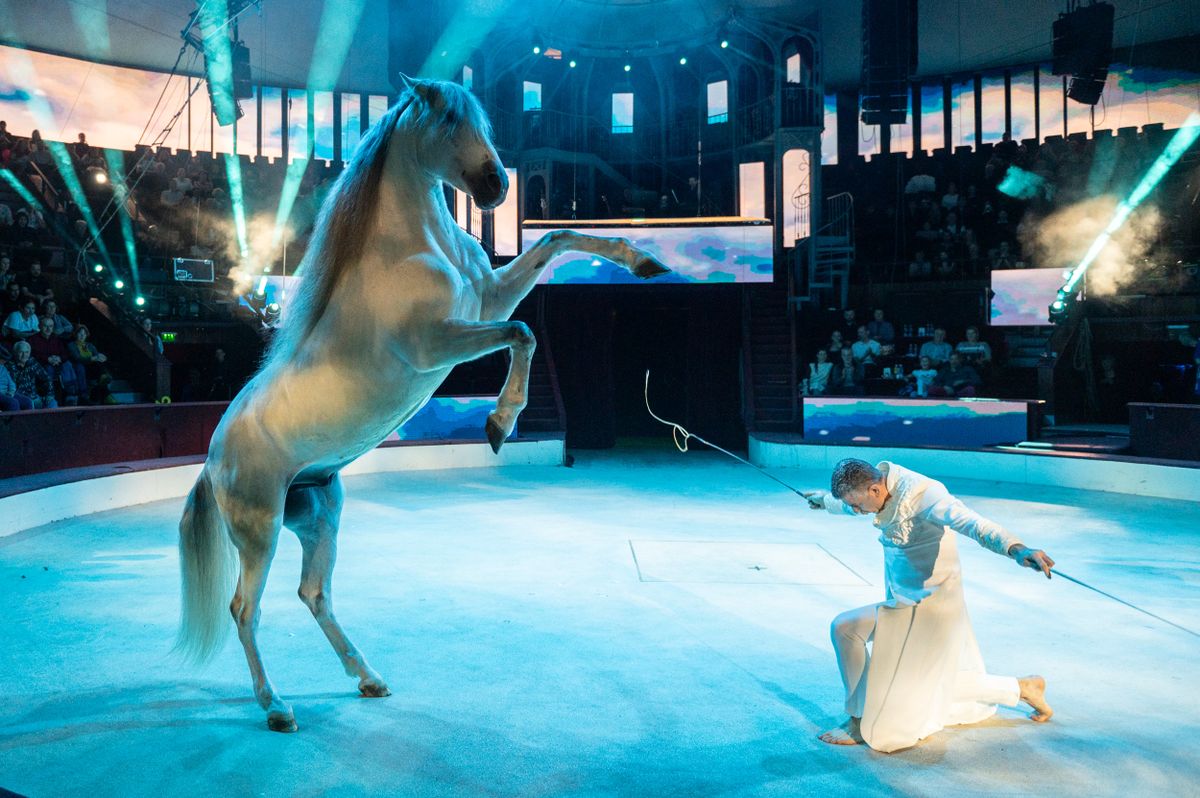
<point x="395" y="294"/>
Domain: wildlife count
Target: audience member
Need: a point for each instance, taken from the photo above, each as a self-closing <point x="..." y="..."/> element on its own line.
<point x="846" y="378"/>
<point x="23" y="323"/>
<point x="975" y="352"/>
<point x="10" y="400"/>
<point x="31" y="379"/>
<point x="13" y="299"/>
<point x="87" y="362"/>
<point x="955" y="379"/>
<point x="866" y="349"/>
<point x="836" y="342"/>
<point x="51" y="353"/>
<point x="63" y="328"/>
<point x="6" y="275"/>
<point x="35" y="285"/>
<point x="920" y="268"/>
<point x="819" y="373"/>
<point x="921" y="380"/>
<point x="881" y="329"/>
<point x="937" y="350"/>
<point x="848" y="325"/>
<point x="219" y="379"/>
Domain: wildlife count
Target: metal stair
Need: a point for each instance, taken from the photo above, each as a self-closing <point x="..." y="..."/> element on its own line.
<point x="821" y="263"/>
<point x="769" y="362"/>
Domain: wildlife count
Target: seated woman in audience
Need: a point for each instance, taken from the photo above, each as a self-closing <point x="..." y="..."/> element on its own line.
<point x="836" y="343"/>
<point x="846" y="378"/>
<point x="819" y="373"/>
<point x="31" y="379"/>
<point x="85" y="358"/>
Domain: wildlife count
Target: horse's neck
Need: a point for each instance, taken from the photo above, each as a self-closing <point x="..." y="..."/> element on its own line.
<point x="412" y="203"/>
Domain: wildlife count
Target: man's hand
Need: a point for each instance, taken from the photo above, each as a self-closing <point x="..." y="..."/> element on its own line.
<point x="815" y="498"/>
<point x="1036" y="559"/>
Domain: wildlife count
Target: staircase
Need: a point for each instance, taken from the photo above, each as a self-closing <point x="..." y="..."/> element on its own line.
<point x="770" y="383"/>
<point x="544" y="412"/>
<point x="821" y="263"/>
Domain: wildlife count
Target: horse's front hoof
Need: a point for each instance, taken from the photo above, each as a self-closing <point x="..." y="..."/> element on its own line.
<point x="279" y="722"/>
<point x="649" y="267"/>
<point x="495" y="435"/>
<point x="374" y="690"/>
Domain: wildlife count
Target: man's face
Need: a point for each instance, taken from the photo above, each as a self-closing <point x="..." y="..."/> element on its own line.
<point x="955" y="361"/>
<point x="51" y="309"/>
<point x="35" y="268"/>
<point x="27" y="309"/>
<point x="939" y="336"/>
<point x="848" y="315"/>
<point x="22" y="354"/>
<point x="47" y="327"/>
<point x="879" y="315"/>
<point x="866" y="500"/>
<point x="863" y="334"/>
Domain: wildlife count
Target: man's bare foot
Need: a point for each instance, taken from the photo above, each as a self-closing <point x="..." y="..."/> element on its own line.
<point x="1033" y="693"/>
<point x="846" y="734"/>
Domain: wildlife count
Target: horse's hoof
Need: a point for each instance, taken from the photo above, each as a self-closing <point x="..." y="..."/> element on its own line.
<point x="495" y="435"/>
<point x="649" y="267"/>
<point x="374" y="690"/>
<point x="279" y="722"/>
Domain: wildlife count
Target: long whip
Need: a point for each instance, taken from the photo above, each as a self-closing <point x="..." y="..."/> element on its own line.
<point x="681" y="437"/>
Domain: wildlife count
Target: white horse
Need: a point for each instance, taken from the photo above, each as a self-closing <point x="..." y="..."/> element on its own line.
<point x="394" y="295"/>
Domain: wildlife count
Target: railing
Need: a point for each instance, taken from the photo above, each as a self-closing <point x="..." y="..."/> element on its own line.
<point x="839" y="211"/>
<point x="754" y="123"/>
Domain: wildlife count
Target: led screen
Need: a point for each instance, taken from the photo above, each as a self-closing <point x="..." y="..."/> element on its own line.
<point x="721" y="251"/>
<point x="946" y="423"/>
<point x="1022" y="297"/>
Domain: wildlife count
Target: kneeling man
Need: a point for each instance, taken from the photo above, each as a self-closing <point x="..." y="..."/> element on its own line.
<point x="924" y="670"/>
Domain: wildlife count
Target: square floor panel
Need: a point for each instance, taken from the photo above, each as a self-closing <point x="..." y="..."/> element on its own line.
<point x="739" y="562"/>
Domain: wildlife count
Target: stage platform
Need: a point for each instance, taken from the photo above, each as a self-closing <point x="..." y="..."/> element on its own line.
<point x="646" y="623"/>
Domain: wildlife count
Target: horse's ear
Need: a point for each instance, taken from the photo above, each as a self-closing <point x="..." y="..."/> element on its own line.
<point x="407" y="81"/>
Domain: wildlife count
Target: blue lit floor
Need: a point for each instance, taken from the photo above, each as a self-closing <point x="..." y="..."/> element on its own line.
<point x="528" y="658"/>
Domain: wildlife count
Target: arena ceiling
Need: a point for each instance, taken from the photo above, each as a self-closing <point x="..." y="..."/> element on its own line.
<point x="954" y="34"/>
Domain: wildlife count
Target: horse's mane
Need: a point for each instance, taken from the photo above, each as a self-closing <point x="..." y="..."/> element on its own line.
<point x="346" y="217"/>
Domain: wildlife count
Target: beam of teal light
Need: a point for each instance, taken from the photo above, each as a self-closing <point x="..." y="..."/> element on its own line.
<point x="116" y="177"/>
<point x="470" y="28"/>
<point x="233" y="174"/>
<point x="218" y="59"/>
<point x="92" y="22"/>
<point x="1180" y="142"/>
<point x="335" y="33"/>
<point x="66" y="170"/>
<point x="23" y="192"/>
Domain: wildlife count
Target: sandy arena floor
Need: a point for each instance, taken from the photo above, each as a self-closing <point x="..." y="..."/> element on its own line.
<point x="643" y="624"/>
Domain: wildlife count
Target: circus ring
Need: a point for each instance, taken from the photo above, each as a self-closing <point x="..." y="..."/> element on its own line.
<point x="643" y="623"/>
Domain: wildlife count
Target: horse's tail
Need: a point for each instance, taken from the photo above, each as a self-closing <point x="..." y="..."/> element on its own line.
<point x="206" y="563"/>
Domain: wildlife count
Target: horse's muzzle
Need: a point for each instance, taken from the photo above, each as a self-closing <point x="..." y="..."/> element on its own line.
<point x="488" y="188"/>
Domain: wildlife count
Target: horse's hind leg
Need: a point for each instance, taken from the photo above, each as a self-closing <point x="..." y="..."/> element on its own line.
<point x="313" y="514"/>
<point x="255" y="531"/>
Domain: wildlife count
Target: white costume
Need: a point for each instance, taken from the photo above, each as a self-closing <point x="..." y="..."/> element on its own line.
<point x="924" y="671"/>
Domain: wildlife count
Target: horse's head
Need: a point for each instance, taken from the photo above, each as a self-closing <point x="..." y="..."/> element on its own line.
<point x="458" y="139"/>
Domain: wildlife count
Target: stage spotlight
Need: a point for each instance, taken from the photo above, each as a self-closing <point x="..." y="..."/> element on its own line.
<point x="119" y="285"/>
<point x="101" y="177"/>
<point x="141" y="300"/>
<point x="683" y="60"/>
<point x="99" y="267"/>
<point x="627" y="67"/>
<point x="537" y="49"/>
<point x="724" y="44"/>
<point x="572" y="63"/>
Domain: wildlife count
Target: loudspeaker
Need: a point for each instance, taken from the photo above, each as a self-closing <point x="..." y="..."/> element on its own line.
<point x="1083" y="49"/>
<point x="243" y="86"/>
<point x="889" y="57"/>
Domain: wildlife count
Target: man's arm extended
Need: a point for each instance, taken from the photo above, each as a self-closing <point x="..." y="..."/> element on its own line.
<point x="951" y="512"/>
<point x="822" y="500"/>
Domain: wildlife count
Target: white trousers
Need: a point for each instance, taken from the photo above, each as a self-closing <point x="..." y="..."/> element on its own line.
<point x="852" y="630"/>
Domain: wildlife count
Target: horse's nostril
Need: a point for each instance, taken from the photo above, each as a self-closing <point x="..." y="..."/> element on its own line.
<point x="493" y="181"/>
